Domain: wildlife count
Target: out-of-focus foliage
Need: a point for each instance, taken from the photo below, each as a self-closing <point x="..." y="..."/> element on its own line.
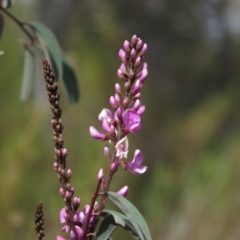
<point x="190" y="136"/>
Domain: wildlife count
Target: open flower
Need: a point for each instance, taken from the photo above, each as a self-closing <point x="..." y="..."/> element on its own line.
<point x="132" y="120"/>
<point x="122" y="148"/>
<point x="135" y="166"/>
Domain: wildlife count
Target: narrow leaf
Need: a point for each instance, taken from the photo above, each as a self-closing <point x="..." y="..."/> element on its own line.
<point x="106" y="228"/>
<point x="1" y="24"/>
<point x="70" y="80"/>
<point x="128" y="226"/>
<point x="132" y="213"/>
<point x="28" y="74"/>
<point x="52" y="46"/>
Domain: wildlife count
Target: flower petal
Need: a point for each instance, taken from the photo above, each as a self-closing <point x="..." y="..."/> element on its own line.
<point x="63" y="215"/>
<point x="105" y="114"/>
<point x="95" y="133"/>
<point x="122" y="148"/>
<point x="137" y="170"/>
<point x="138" y="158"/>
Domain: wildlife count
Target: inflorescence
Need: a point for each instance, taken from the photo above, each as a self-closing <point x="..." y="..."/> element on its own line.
<point x="117" y="125"/>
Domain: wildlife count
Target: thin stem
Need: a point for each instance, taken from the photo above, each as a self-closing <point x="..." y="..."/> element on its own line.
<point x="94" y="197"/>
<point x="19" y="23"/>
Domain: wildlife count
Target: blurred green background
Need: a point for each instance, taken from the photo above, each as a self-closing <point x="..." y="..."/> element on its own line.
<point x="191" y="129"/>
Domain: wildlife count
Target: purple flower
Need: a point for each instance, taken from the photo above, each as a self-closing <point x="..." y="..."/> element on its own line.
<point x="135" y="166"/>
<point x="122" y="148"/>
<point x="132" y="121"/>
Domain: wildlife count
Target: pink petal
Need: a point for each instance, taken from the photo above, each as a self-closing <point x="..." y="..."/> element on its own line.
<point x="95" y="133"/>
<point x="138" y="158"/>
<point x="63" y="215"/>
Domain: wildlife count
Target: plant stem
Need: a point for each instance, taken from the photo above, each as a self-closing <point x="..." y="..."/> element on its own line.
<point x="94" y="197"/>
<point x="19" y="23"/>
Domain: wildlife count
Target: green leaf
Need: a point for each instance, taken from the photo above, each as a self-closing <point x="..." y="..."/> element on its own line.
<point x="128" y="226"/>
<point x="132" y="213"/>
<point x="52" y="47"/>
<point x="106" y="228"/>
<point x="70" y="80"/>
<point x="7" y="3"/>
<point x="28" y="74"/>
<point x="1" y="24"/>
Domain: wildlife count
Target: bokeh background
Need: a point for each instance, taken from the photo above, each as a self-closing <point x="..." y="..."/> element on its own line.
<point x="191" y="130"/>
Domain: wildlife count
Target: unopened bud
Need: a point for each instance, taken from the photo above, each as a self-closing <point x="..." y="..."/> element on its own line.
<point x="106" y="151"/>
<point x="69" y="173"/>
<point x="100" y="174"/>
<point x="123" y="191"/>
<point x="76" y="203"/>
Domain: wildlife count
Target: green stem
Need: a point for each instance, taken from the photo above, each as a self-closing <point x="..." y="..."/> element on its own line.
<point x="19" y="23"/>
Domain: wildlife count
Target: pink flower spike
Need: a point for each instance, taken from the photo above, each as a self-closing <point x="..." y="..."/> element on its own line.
<point x="123" y="191"/>
<point x="122" y="148"/>
<point x="100" y="174"/>
<point x="131" y="120"/>
<point x="96" y="134"/>
<point x="63" y="215"/>
<point x="135" y="166"/>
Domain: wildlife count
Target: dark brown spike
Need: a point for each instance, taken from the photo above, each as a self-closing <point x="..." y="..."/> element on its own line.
<point x="39" y="223"/>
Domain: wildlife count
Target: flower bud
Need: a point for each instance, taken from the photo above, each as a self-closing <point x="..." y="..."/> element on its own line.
<point x="55" y="166"/>
<point x="133" y="53"/>
<point x="134" y="40"/>
<point x="137" y="62"/>
<point x="112" y="102"/>
<point x="64" y="152"/>
<point x="143" y="50"/>
<point x="69" y="173"/>
<point x="100" y="174"/>
<point x="139" y="44"/>
<point x="76" y="203"/>
<point x="126" y="46"/>
<point x="118" y="88"/>
<point x="123" y="191"/>
<point x="106" y="151"/>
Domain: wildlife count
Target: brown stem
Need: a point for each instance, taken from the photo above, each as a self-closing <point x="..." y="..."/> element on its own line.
<point x="19" y="23"/>
<point x="94" y="197"/>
